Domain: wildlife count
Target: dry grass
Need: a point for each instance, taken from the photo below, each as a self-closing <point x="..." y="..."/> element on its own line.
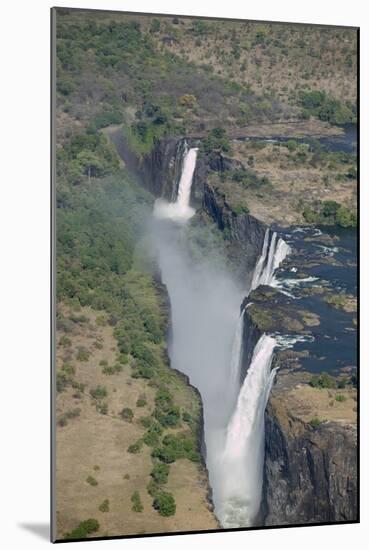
<point x="292" y="396"/>
<point x="290" y="181"/>
<point x="94" y="444"/>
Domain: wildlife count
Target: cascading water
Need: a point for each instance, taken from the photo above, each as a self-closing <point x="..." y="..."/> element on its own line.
<point x="236" y="358"/>
<point x="180" y="210"/>
<point x="240" y="466"/>
<point x="273" y="253"/>
<point x="207" y="346"/>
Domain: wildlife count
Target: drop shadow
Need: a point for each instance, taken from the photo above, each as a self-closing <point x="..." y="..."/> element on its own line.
<point x="42" y="530"/>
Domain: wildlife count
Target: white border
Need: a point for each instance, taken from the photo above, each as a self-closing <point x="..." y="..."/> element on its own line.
<point x="24" y="230"/>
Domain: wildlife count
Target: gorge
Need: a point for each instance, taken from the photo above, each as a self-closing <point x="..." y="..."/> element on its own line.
<point x="206" y="316"/>
<point x="211" y="325"/>
<point x="206" y="345"/>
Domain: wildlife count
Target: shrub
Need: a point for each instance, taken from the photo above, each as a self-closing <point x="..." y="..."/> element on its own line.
<point x="123" y="358"/>
<point x="165" y="411"/>
<point x="68" y="369"/>
<point x="160" y="473"/>
<point x="322" y="381"/>
<point x="186" y="417"/>
<point x="216" y="141"/>
<point x="65" y="341"/>
<point x="99" y="392"/>
<point x="326" y="107"/>
<point x="106" y="118"/>
<point x="127" y="414"/>
<point x="73" y="413"/>
<point x="135" y="447"/>
<point x="115" y="369"/>
<point x="291" y="145"/>
<point x="310" y="215"/>
<point x="240" y="209"/>
<point x="142" y="371"/>
<point x="141" y="401"/>
<point x="147" y="421"/>
<point x="92" y="481"/>
<point x="340" y="398"/>
<point x="330" y="212"/>
<point x="152" y="488"/>
<point x="151" y="438"/>
<point x="82" y="354"/>
<point x="85" y="528"/>
<point x="345" y="217"/>
<point x="104" y="506"/>
<point x="315" y="423"/>
<point x="155" y="26"/>
<point x="330" y="208"/>
<point x="62" y="382"/>
<point x="62" y="421"/>
<point x="165" y="504"/>
<point x="165" y="454"/>
<point x="136" y="501"/>
<point x="176" y="446"/>
<point x="187" y="100"/>
<point x="168" y="418"/>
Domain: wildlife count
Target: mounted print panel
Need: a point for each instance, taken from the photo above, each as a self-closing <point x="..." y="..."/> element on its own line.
<point x="205" y="216"/>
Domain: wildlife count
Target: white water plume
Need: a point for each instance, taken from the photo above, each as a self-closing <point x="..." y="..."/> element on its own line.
<point x="180" y="210"/>
<point x="274" y="251"/>
<point x="207" y="345"/>
<point x="287" y="341"/>
<point x="236" y="360"/>
<point x="237" y="472"/>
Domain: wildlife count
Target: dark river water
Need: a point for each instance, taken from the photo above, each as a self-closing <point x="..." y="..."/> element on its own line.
<point x="323" y="257"/>
<point x="347" y="142"/>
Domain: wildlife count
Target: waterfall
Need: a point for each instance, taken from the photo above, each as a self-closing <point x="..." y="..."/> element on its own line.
<point x="260" y="262"/>
<point x="180" y="210"/>
<point x="208" y="347"/>
<point x="240" y="467"/>
<point x="274" y="251"/>
<point x="236" y="358"/>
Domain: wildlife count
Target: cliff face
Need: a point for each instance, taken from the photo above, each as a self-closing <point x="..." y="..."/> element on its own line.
<point x="250" y="336"/>
<point x="159" y="171"/>
<point x="156" y="170"/>
<point x="309" y="473"/>
<point x="310" y="466"/>
<point x="200" y="435"/>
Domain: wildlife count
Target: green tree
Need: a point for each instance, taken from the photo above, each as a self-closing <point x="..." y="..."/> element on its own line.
<point x="127" y="414"/>
<point x="160" y="473"/>
<point x="165" y="504"/>
<point x="86" y="527"/>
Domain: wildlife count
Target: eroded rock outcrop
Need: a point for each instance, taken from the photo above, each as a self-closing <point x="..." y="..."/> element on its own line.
<point x="309" y="470"/>
<point x="310" y="467"/>
<point x="159" y="171"/>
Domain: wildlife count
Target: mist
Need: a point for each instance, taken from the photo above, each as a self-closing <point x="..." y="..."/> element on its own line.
<point x="205" y="307"/>
<point x="206" y="344"/>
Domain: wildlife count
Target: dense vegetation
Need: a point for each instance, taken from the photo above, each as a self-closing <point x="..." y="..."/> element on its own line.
<point x="102" y="262"/>
<point x="84" y="529"/>
<point x="330" y="213"/>
<point x="327" y="108"/>
<point x="160" y="76"/>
